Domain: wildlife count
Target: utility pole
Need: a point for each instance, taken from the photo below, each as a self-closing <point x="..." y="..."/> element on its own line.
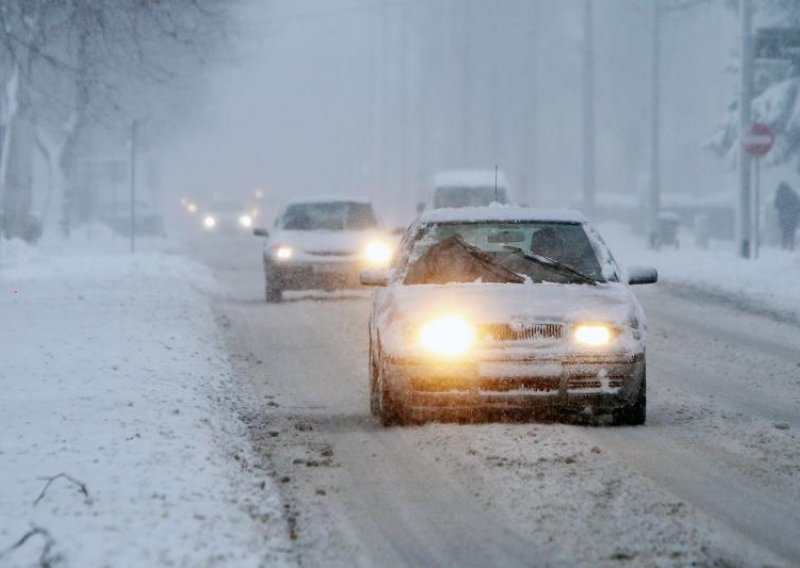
<point x="466" y="72"/>
<point x="744" y="216"/>
<point x="588" y="111"/>
<point x="532" y="137"/>
<point x="134" y="128"/>
<point x="654" y="185"/>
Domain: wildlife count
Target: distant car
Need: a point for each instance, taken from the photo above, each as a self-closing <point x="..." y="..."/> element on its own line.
<point x="506" y="310"/>
<point x="468" y="188"/>
<point x="322" y="244"/>
<point x="228" y="217"/>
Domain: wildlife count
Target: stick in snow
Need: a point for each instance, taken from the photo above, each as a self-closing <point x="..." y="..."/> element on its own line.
<point x="50" y="480"/>
<point x="46" y="560"/>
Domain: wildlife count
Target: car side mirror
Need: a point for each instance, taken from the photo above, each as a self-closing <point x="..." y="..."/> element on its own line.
<point x="260" y="232"/>
<point x="375" y="277"/>
<point x="642" y="275"/>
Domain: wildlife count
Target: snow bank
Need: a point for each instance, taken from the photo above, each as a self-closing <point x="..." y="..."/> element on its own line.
<point x="112" y="373"/>
<point x="770" y="284"/>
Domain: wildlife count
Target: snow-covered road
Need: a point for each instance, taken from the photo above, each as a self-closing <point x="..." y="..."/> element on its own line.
<point x="712" y="477"/>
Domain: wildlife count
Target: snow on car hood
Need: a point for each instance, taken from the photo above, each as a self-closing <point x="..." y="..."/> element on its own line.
<point x="497" y="303"/>
<point x="339" y="242"/>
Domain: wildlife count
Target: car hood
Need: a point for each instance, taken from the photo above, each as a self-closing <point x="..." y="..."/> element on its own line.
<point x="336" y="242"/>
<point x="498" y="303"/>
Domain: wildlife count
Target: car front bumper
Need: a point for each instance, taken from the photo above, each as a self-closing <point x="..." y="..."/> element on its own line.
<point x="583" y="384"/>
<point x="315" y="275"/>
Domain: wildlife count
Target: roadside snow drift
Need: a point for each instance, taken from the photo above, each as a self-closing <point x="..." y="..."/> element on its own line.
<point x="112" y="374"/>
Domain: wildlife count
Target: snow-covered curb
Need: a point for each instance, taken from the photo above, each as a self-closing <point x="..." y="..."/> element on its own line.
<point x="769" y="285"/>
<point x="113" y="373"/>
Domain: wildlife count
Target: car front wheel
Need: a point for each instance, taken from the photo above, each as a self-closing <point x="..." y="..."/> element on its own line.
<point x="374" y="405"/>
<point x="273" y="293"/>
<point x="389" y="412"/>
<point x="635" y="413"/>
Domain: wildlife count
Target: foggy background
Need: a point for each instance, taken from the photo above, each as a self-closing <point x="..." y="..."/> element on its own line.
<point x="347" y="97"/>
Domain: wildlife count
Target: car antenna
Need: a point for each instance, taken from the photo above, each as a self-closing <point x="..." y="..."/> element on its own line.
<point x="496" y="197"/>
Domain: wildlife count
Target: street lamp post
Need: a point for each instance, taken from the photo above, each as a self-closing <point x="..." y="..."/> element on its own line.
<point x="134" y="132"/>
<point x="654" y="186"/>
<point x="744" y="215"/>
<point x="588" y="111"/>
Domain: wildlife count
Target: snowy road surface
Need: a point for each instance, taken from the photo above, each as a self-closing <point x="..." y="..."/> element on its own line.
<point x="711" y="479"/>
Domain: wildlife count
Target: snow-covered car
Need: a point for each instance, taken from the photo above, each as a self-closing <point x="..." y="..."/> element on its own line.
<point x="513" y="310"/>
<point x="468" y="188"/>
<point x="322" y="244"/>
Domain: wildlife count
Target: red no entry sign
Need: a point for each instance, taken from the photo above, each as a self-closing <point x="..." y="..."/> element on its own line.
<point x="758" y="140"/>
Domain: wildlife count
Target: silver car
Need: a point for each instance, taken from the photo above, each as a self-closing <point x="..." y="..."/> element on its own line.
<point x="322" y="243"/>
<point x="508" y="311"/>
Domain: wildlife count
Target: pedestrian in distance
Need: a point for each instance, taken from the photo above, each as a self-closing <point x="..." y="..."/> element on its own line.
<point x="787" y="202"/>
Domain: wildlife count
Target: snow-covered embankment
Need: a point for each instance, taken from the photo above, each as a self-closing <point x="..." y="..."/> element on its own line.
<point x="112" y="373"/>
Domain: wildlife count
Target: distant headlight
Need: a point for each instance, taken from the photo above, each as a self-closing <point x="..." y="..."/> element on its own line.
<point x="191" y="208"/>
<point x="450" y="336"/>
<point x="283" y="253"/>
<point x="209" y="222"/>
<point x="594" y="335"/>
<point x="246" y="221"/>
<point x="378" y="253"/>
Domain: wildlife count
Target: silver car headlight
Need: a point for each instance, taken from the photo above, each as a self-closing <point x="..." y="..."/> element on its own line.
<point x="594" y="334"/>
<point x="449" y="336"/>
<point x="283" y="252"/>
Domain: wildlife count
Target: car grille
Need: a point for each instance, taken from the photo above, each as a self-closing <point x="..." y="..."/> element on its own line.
<point x="531" y="332"/>
<point x="581" y="382"/>
<point x="445" y="384"/>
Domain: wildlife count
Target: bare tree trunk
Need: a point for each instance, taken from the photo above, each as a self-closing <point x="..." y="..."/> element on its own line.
<point x="75" y="204"/>
<point x="17" y="162"/>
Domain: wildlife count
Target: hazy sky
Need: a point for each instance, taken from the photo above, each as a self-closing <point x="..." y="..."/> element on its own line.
<point x="316" y="101"/>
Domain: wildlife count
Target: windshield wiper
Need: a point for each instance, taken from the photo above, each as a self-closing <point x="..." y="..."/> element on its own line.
<point x="548" y="262"/>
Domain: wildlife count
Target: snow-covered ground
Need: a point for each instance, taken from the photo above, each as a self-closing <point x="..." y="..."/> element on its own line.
<point x="769" y="284"/>
<point x="113" y="374"/>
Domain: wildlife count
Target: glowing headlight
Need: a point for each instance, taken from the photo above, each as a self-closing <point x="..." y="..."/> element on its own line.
<point x="593" y="335"/>
<point x="284" y="253"/>
<point x="209" y="222"/>
<point x="450" y="336"/>
<point x="191" y="208"/>
<point x="246" y="221"/>
<point x="378" y="252"/>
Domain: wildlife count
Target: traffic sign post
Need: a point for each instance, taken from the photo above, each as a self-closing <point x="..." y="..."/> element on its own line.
<point x="757" y="141"/>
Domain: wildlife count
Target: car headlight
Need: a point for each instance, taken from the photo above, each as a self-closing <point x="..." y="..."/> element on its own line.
<point x="283" y="252"/>
<point x="593" y="335"/>
<point x="246" y="221"/>
<point x="191" y="208"/>
<point x="449" y="336"/>
<point x="378" y="253"/>
<point x="209" y="222"/>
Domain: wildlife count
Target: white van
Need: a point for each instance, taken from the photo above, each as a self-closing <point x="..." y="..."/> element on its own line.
<point x="469" y="188"/>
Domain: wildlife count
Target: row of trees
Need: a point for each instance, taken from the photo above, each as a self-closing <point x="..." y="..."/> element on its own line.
<point x="69" y="67"/>
<point x="776" y="99"/>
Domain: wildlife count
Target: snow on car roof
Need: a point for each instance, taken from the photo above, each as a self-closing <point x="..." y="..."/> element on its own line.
<point x="500" y="213"/>
<point x="469" y="178"/>
<point x="328" y="199"/>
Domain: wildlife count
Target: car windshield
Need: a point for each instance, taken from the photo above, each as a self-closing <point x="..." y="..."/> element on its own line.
<point x="234" y="207"/>
<point x="539" y="251"/>
<point x="336" y="216"/>
<point x="468" y="196"/>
